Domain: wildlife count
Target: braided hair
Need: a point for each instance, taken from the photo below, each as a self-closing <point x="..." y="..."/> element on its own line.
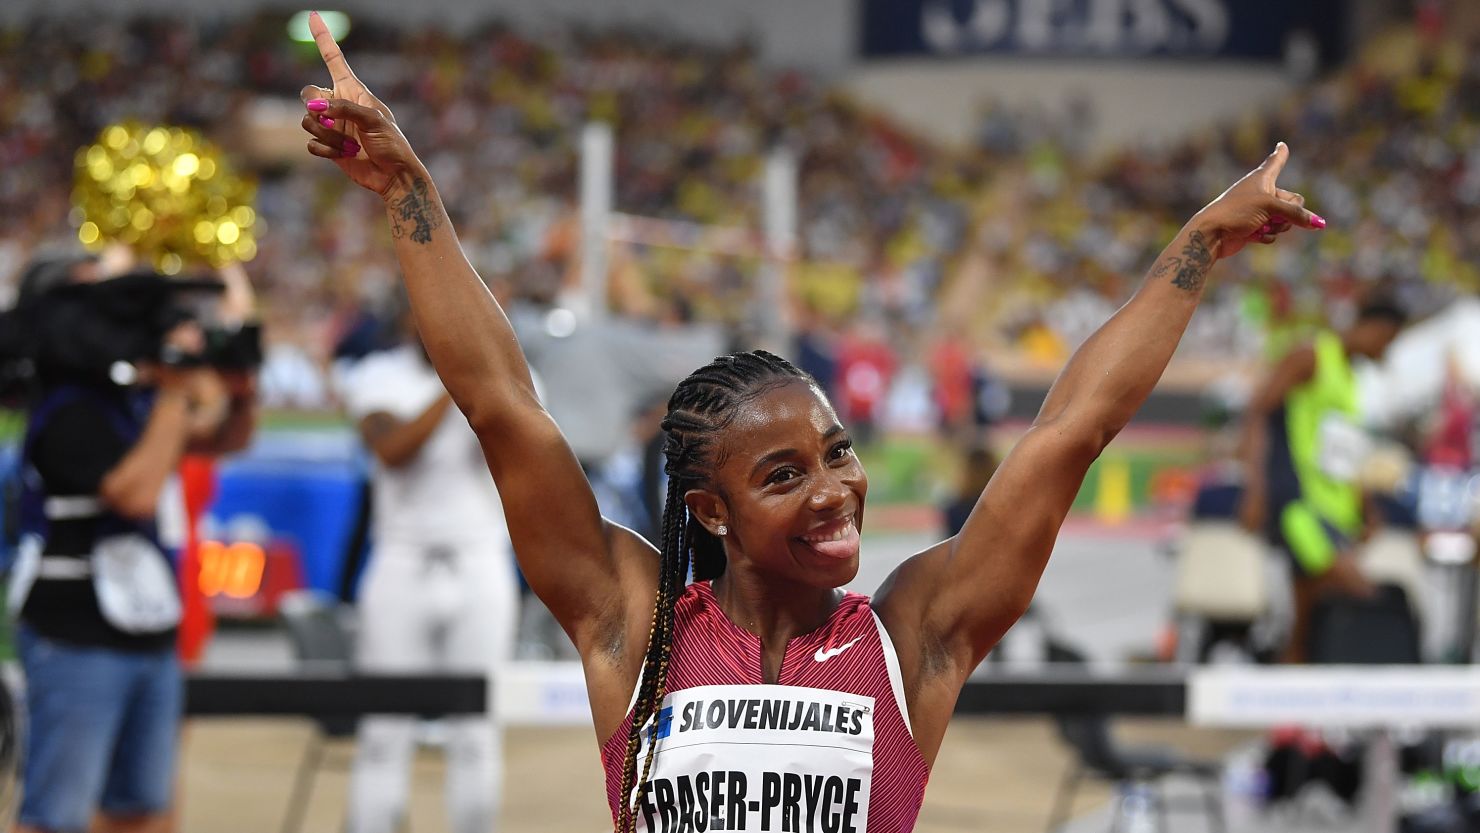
<point x="700" y="408"/>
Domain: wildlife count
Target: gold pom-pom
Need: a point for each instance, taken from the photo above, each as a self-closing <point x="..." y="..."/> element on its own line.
<point x="167" y="193"/>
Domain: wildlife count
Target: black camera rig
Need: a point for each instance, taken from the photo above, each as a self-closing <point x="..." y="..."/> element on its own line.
<point x="86" y="333"/>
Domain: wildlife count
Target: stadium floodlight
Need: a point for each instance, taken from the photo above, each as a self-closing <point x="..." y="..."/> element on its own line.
<point x="338" y="23"/>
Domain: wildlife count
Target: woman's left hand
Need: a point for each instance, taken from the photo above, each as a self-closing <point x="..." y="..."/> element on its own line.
<point x="1256" y="209"/>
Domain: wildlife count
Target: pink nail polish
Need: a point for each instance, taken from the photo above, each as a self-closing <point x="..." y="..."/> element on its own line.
<point x="351" y="149"/>
<point x="326" y="121"/>
<point x="1317" y="221"/>
<point x="318" y="105"/>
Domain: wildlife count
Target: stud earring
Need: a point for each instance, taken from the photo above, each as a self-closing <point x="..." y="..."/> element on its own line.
<point x="723" y="530"/>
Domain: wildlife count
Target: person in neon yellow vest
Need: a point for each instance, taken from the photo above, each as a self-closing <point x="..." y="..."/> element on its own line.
<point x="1302" y="447"/>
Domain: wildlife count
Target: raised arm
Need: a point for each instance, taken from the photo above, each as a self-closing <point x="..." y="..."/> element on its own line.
<point x="958" y="598"/>
<point x="571" y="558"/>
<point x="234" y="431"/>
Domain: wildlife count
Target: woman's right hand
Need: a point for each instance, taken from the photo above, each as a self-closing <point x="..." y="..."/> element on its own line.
<point x="351" y="126"/>
<point x="1256" y="209"/>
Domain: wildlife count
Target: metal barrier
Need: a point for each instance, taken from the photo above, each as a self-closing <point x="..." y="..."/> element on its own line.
<point x="1373" y="699"/>
<point x="1075" y="690"/>
<point x="320" y="694"/>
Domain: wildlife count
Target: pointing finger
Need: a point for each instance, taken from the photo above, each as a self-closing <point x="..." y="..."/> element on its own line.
<point x="329" y="50"/>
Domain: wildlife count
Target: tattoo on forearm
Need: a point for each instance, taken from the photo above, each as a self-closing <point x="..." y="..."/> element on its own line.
<point x="414" y="214"/>
<point x="1190" y="269"/>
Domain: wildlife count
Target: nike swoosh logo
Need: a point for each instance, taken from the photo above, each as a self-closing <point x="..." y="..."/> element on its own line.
<point x="825" y="654"/>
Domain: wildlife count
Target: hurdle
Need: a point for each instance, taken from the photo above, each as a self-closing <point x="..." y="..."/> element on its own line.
<point x="1372" y="700"/>
<point x="240" y="694"/>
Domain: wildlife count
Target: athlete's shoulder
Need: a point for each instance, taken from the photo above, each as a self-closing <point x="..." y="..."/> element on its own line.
<point x="854" y="611"/>
<point x="696" y="599"/>
<point x="856" y="603"/>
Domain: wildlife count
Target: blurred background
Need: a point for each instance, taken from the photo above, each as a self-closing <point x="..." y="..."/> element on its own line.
<point x="928" y="204"/>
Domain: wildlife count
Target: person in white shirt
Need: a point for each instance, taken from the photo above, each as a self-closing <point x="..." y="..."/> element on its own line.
<point x="439" y="592"/>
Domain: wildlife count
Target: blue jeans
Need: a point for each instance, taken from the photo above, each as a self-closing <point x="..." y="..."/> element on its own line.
<point x="102" y="731"/>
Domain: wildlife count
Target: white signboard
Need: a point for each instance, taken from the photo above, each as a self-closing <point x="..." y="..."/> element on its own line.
<point x="1335" y="696"/>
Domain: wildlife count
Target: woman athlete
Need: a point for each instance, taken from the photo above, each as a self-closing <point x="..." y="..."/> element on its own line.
<point x="761" y="697"/>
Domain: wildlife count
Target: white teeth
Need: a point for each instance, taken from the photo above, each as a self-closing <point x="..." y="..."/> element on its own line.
<point x="835" y="536"/>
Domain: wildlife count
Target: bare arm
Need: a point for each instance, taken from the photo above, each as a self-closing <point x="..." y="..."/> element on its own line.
<point x="572" y="559"/>
<point x="1294" y="369"/>
<point x="555" y="525"/>
<point x="982" y="580"/>
<point x="953" y="602"/>
<point x="240" y="301"/>
<point x="1372" y="517"/>
<point x="132" y="487"/>
<point x="397" y="442"/>
<point x="235" y="434"/>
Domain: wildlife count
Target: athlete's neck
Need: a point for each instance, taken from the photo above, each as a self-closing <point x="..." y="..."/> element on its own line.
<point x="774" y="610"/>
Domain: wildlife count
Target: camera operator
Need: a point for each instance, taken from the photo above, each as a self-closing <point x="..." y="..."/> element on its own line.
<point x="98" y="602"/>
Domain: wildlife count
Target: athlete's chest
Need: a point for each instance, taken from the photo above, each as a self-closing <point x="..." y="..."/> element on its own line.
<point x="811" y="751"/>
<point x="711" y="651"/>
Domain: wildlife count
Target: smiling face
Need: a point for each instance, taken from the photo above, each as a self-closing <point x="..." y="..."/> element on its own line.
<point x="789" y="489"/>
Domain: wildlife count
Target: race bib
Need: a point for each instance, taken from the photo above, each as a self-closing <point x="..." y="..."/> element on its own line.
<point x="1344" y="446"/>
<point x="135" y="585"/>
<point x="759" y="759"/>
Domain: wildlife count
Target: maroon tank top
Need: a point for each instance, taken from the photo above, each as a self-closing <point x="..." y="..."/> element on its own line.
<point x="827" y="749"/>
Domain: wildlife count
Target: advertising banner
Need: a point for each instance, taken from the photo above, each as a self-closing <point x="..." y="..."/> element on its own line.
<point x="1241" y="29"/>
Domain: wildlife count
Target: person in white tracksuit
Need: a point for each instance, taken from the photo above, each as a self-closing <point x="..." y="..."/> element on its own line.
<point x="439" y="592"/>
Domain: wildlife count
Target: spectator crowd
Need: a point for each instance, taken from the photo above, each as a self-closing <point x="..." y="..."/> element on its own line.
<point x="909" y="253"/>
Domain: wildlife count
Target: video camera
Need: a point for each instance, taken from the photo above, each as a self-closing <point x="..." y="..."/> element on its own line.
<point x="97" y="333"/>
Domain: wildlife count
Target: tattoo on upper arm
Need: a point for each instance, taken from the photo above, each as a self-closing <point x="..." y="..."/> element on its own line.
<point x="1190" y="269"/>
<point x="414" y="214"/>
